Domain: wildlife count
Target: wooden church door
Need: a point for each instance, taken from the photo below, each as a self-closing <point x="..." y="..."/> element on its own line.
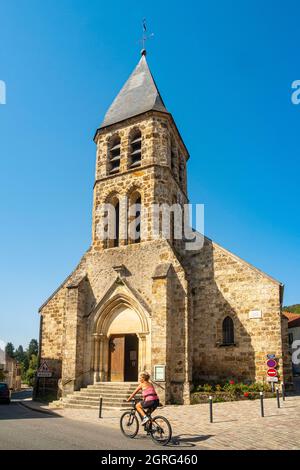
<point x="117" y="356"/>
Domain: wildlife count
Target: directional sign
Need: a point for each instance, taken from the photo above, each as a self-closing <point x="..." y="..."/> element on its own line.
<point x="43" y="370"/>
<point x="272" y="373"/>
<point x="271" y="363"/>
<point x="271" y="356"/>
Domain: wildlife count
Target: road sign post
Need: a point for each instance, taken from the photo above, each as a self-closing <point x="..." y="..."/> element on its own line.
<point x="272" y="374"/>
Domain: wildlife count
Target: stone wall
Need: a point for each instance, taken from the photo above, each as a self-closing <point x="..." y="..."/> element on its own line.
<point x="224" y="285"/>
<point x="155" y="180"/>
<point x="68" y="334"/>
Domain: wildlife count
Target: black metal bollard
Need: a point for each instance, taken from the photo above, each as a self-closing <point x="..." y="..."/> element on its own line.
<point x="262" y="412"/>
<point x="278" y="397"/>
<point x="283" y="391"/>
<point x="210" y="409"/>
<point x="100" y="407"/>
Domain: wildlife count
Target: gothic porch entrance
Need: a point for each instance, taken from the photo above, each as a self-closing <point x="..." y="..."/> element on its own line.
<point x="121" y="340"/>
<point x="123" y="358"/>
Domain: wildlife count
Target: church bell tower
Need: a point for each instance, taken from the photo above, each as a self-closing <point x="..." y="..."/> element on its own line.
<point x="141" y="162"/>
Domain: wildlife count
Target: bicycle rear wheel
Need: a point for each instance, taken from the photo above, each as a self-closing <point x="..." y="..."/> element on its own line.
<point x="161" y="431"/>
<point x="129" y="424"/>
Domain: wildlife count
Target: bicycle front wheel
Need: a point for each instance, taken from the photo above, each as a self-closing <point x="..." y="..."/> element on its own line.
<point x="161" y="431"/>
<point x="129" y="424"/>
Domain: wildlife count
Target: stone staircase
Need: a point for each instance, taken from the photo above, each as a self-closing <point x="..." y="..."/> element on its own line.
<point x="114" y="395"/>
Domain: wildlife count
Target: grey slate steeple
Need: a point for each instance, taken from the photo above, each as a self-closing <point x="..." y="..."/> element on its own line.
<point x="138" y="95"/>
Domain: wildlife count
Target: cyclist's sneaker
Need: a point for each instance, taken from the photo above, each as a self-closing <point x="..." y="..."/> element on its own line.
<point x="145" y="420"/>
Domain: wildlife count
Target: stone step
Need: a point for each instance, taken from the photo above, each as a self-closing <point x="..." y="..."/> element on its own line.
<point x="87" y="396"/>
<point x="93" y="401"/>
<point x="114" y="396"/>
<point x="90" y="407"/>
<point x="108" y="390"/>
<point x="80" y="407"/>
<point x="113" y="385"/>
<point x="122" y="384"/>
<point x="111" y="403"/>
<point x="95" y="387"/>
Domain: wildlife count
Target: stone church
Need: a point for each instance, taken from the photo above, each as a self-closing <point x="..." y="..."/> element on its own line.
<point x="148" y="303"/>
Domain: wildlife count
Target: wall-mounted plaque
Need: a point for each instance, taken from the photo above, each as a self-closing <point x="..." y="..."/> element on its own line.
<point x="160" y="373"/>
<point x="255" y="314"/>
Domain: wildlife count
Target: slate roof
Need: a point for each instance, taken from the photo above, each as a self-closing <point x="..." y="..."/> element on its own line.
<point x="138" y="95"/>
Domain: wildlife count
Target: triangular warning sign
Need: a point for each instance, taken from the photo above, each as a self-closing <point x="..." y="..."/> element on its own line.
<point x="43" y="367"/>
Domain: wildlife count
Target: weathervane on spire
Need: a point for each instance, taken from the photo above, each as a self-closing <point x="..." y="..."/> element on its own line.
<point x="145" y="37"/>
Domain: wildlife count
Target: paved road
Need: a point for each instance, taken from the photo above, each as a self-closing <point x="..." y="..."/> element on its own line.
<point x="21" y="428"/>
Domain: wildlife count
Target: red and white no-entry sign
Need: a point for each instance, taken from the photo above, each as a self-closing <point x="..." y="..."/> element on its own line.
<point x="272" y="373"/>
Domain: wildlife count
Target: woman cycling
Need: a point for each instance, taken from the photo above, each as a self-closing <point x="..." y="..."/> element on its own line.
<point x="150" y="397"/>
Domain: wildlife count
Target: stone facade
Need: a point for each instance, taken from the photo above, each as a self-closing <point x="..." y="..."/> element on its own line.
<point x="173" y="300"/>
<point x="225" y="285"/>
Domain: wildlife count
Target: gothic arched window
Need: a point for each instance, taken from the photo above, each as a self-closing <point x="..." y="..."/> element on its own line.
<point x="228" y="331"/>
<point x="181" y="172"/>
<point x="173" y="157"/>
<point x="135" y="151"/>
<point x="114" y="155"/>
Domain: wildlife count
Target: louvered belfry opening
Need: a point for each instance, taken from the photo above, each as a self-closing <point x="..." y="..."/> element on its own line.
<point x="138" y="203"/>
<point x="136" y="149"/>
<point x="115" y="155"/>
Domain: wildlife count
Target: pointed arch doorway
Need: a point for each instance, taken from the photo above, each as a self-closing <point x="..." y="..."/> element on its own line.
<point x="121" y="341"/>
<point x="123" y="358"/>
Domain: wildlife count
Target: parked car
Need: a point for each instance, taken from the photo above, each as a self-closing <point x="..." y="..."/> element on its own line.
<point x="4" y="393"/>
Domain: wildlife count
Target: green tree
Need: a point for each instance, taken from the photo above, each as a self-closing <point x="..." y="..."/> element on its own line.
<point x="31" y="372"/>
<point x="20" y="354"/>
<point x="292" y="308"/>
<point x="22" y="357"/>
<point x="10" y="350"/>
<point x="33" y="348"/>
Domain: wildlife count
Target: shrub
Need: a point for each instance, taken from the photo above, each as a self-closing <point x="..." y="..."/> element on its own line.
<point x="207" y="388"/>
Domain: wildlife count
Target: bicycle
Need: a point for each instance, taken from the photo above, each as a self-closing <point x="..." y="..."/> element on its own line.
<point x="158" y="427"/>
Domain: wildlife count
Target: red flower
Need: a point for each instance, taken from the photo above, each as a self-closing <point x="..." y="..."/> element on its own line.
<point x="231" y="382"/>
<point x="246" y="394"/>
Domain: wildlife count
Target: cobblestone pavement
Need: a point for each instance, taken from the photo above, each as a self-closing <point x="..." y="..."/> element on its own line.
<point x="237" y="425"/>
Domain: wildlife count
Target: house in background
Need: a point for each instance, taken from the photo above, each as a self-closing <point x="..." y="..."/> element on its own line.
<point x="11" y="371"/>
<point x="294" y="335"/>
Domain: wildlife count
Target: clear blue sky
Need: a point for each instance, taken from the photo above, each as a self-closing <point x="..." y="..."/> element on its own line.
<point x="224" y="69"/>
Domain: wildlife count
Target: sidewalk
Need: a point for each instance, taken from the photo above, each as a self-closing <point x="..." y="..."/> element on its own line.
<point x="237" y="425"/>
